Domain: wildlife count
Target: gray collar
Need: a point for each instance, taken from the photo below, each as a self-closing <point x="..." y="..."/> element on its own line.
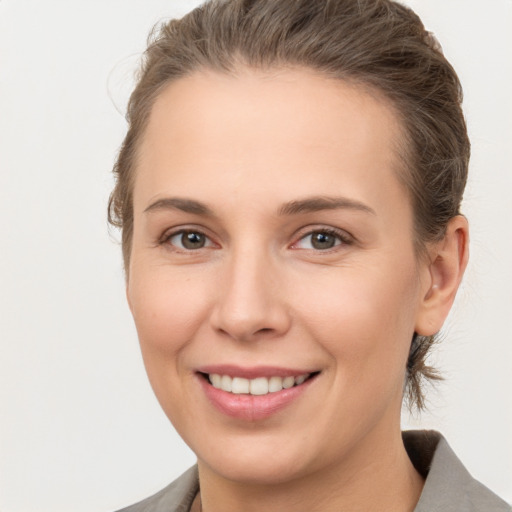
<point x="448" y="487"/>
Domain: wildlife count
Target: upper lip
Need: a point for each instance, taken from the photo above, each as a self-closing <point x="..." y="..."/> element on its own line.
<point x="253" y="371"/>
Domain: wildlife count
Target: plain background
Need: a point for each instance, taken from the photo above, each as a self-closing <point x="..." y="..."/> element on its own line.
<point x="80" y="429"/>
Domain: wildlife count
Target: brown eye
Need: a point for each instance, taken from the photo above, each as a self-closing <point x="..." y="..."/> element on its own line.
<point x="189" y="240"/>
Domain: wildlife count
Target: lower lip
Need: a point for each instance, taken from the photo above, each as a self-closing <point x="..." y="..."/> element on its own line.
<point x="252" y="407"/>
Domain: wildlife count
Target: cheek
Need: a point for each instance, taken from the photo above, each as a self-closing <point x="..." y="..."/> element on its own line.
<point x="167" y="309"/>
<point x="366" y="327"/>
<point x="364" y="317"/>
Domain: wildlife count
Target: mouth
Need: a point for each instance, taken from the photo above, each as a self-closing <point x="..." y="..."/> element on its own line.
<point x="258" y="386"/>
<point x="253" y="394"/>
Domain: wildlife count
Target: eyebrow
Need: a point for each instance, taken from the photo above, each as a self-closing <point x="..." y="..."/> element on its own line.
<point x="177" y="203"/>
<point x="307" y="205"/>
<point x="315" y="204"/>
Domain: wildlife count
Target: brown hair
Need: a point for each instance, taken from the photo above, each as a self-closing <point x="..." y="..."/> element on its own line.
<point x="379" y="44"/>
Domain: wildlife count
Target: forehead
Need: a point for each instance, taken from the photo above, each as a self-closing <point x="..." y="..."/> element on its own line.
<point x="290" y="125"/>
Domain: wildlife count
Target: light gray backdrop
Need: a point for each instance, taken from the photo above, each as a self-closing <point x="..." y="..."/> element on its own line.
<point x="80" y="429"/>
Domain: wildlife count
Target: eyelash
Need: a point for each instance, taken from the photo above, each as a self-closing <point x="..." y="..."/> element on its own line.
<point x="341" y="238"/>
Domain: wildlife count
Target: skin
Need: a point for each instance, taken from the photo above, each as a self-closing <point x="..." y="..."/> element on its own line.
<point x="259" y="292"/>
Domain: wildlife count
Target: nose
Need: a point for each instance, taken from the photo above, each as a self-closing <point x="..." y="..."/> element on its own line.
<point x="251" y="302"/>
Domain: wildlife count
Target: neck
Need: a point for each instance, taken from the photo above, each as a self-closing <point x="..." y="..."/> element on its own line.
<point x="377" y="477"/>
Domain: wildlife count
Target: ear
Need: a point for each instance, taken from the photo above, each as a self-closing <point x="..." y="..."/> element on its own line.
<point x="447" y="262"/>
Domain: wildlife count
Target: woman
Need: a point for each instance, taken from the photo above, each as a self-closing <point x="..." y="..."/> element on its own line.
<point x="289" y="193"/>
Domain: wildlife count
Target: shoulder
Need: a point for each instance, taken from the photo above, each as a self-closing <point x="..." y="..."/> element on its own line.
<point x="448" y="486"/>
<point x="176" y="497"/>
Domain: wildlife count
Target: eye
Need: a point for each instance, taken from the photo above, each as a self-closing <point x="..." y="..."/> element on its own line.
<point x="189" y="240"/>
<point x="321" y="240"/>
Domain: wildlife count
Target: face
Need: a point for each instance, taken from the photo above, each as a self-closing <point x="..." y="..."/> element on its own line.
<point x="273" y="256"/>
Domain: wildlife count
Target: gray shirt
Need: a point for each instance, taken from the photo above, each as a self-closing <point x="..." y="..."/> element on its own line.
<point x="448" y="485"/>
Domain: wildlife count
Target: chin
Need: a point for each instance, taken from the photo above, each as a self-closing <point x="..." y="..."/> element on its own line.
<point x="262" y="470"/>
<point x="258" y="459"/>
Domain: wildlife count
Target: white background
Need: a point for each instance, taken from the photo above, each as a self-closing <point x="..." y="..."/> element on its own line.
<point x="79" y="427"/>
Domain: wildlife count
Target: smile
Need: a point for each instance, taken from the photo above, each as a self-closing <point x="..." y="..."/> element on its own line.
<point x="253" y="394"/>
<point x="258" y="386"/>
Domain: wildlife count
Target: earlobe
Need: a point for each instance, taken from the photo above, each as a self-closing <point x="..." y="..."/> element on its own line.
<point x="448" y="260"/>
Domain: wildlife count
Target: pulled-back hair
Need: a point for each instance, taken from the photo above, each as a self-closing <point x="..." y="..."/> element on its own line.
<point x="380" y="45"/>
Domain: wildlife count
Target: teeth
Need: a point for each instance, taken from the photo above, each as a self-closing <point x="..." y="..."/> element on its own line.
<point x="226" y="383"/>
<point x="239" y="385"/>
<point x="288" y="382"/>
<point x="275" y="384"/>
<point x="216" y="379"/>
<point x="258" y="386"/>
<point x="300" y="379"/>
